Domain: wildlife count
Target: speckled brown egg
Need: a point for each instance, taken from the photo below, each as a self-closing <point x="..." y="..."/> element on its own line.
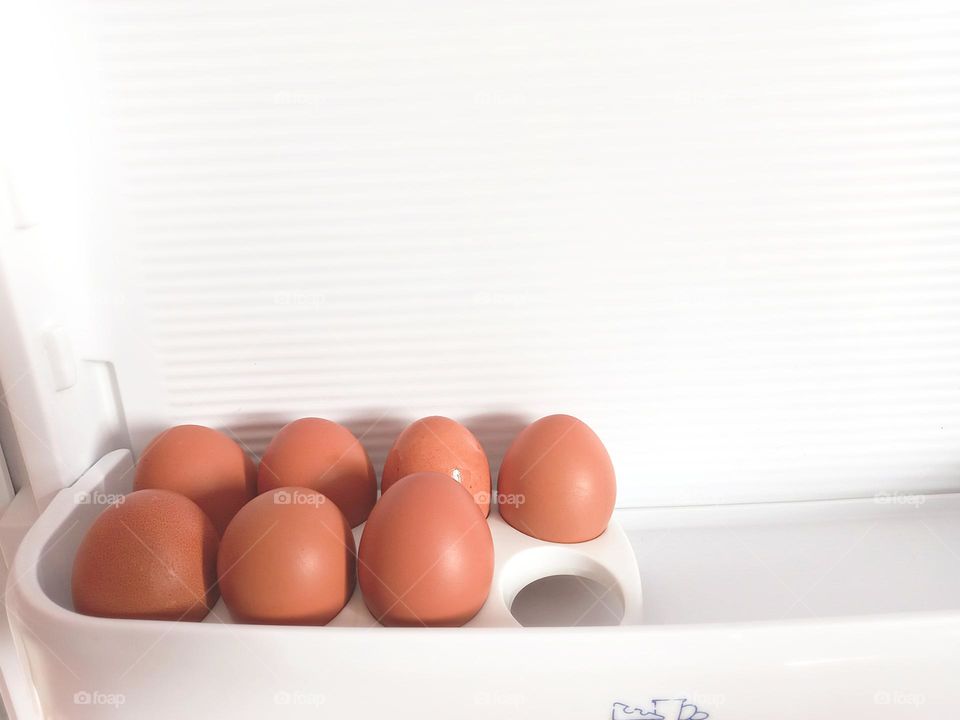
<point x="439" y="444"/>
<point x="151" y="556"/>
<point x="556" y="481"/>
<point x="288" y="558"/>
<point x="203" y="464"/>
<point x="326" y="457"/>
<point x="426" y="554"/>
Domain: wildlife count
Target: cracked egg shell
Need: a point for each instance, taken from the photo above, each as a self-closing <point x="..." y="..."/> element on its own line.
<point x="439" y="444"/>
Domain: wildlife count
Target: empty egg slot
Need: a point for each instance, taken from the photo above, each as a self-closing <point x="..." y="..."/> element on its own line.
<point x="555" y="587"/>
<point x="567" y="601"/>
<point x="544" y="584"/>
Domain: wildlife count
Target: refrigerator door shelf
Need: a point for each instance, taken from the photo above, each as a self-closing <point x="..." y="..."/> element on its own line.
<point x="750" y="648"/>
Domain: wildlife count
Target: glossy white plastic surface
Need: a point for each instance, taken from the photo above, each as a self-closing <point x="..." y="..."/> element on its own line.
<point x="881" y="641"/>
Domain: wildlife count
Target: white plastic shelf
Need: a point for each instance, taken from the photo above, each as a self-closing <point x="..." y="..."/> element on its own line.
<point x="863" y="598"/>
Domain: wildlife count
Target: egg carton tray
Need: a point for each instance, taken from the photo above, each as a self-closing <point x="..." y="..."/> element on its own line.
<point x="88" y="667"/>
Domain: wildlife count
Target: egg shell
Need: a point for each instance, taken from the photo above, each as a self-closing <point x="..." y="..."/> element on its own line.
<point x="152" y="556"/>
<point x="557" y="482"/>
<point x="203" y="464"/>
<point x="288" y="558"/>
<point x="426" y="554"/>
<point x="323" y="456"/>
<point x="439" y="444"/>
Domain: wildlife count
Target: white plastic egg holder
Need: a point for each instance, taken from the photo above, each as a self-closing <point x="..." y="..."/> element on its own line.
<point x="520" y="560"/>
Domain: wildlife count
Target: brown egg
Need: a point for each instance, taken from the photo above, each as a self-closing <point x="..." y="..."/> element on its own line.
<point x="439" y="444"/>
<point x="288" y="558"/>
<point x="556" y="481"/>
<point x="426" y="554"/>
<point x="152" y="556"/>
<point x="326" y="457"/>
<point x="203" y="464"/>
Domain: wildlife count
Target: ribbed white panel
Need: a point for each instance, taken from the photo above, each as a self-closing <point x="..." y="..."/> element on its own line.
<point x="726" y="235"/>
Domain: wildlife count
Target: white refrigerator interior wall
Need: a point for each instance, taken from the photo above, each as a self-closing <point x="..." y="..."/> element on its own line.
<point x="724" y="236"/>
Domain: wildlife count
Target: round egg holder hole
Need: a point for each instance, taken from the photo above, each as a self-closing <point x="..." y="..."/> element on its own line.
<point x="544" y="584"/>
<point x="539" y="584"/>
